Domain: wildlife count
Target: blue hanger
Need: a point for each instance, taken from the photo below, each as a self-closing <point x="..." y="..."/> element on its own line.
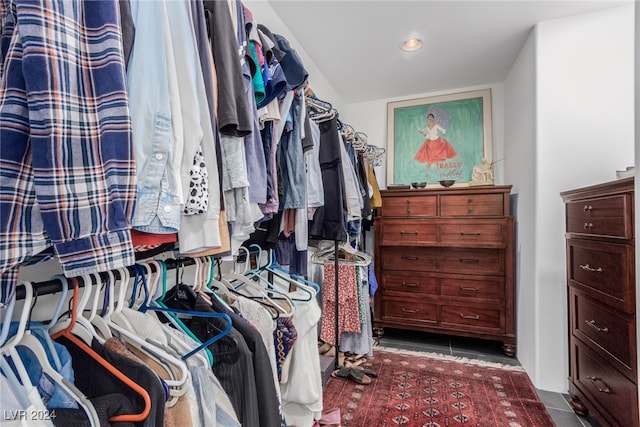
<point x="159" y="306"/>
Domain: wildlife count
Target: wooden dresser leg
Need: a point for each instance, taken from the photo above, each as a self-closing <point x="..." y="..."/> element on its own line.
<point x="509" y="349"/>
<point x="378" y="332"/>
<point x="578" y="407"/>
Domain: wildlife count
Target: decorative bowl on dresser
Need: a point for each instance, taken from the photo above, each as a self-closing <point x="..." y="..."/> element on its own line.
<point x="603" y="371"/>
<point x="445" y="263"/>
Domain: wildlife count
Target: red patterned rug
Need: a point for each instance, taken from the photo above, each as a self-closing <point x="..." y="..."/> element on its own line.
<point x="430" y="390"/>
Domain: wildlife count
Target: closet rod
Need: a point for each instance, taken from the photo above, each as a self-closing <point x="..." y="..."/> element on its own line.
<point x="55" y="285"/>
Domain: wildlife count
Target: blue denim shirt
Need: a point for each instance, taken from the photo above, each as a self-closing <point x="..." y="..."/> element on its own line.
<point x="158" y="191"/>
<point x="53" y="396"/>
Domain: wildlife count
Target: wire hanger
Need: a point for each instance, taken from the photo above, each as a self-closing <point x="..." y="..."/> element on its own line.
<point x="141" y="392"/>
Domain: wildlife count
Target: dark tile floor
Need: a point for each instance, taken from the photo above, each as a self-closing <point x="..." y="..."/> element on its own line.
<point x="491" y="351"/>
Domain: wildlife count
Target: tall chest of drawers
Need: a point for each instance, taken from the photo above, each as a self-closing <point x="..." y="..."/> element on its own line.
<point x="600" y="242"/>
<point x="444" y="261"/>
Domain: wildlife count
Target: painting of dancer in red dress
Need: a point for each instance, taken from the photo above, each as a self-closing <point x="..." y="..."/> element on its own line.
<point x="435" y="147"/>
<point x="438" y="138"/>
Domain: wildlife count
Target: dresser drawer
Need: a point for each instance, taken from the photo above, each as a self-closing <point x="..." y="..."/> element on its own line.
<point x="412" y="259"/>
<point x="473" y="288"/>
<point x="410" y="282"/>
<point x="409" y="206"/>
<point x="471" y="261"/>
<point x="476" y="233"/>
<point x="611" y="392"/>
<point x="401" y="232"/>
<point x="472" y="205"/>
<point x="601" y="269"/>
<point x="409" y="310"/>
<point x="606" y="216"/>
<point x="469" y="316"/>
<point x="612" y="332"/>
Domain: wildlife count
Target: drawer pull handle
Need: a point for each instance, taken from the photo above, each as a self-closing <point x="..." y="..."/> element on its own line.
<point x="588" y="225"/>
<point x="469" y="261"/>
<point x="406" y="310"/>
<point x="592" y="323"/>
<point x="590" y="269"/>
<point x="476" y="317"/>
<point x="587" y="208"/>
<point x="469" y="233"/>
<point x="411" y="258"/>
<point x="466" y="288"/>
<point x="470" y="210"/>
<point x="469" y="200"/>
<point x="595" y="380"/>
<point x="415" y="233"/>
<point x="411" y="285"/>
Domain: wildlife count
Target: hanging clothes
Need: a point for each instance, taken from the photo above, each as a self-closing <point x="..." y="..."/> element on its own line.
<point x="68" y="172"/>
<point x="233" y="365"/>
<point x="329" y="221"/>
<point x="302" y="392"/>
<point x="348" y="304"/>
<point x="94" y="381"/>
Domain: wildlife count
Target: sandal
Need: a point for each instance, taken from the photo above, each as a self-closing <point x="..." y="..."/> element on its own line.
<point x="341" y="372"/>
<point x="372" y="374"/>
<point x="360" y="377"/>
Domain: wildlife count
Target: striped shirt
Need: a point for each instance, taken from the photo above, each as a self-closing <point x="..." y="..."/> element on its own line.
<point x="67" y="175"/>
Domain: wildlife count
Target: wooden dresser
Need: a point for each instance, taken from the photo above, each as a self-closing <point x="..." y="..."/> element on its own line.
<point x="444" y="262"/>
<point x="603" y="371"/>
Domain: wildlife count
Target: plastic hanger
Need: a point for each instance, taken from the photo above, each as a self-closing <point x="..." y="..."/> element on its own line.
<point x="35" y="346"/>
<point x="45" y="328"/>
<point x="98" y="322"/>
<point x="204" y="314"/>
<point x="346" y="255"/>
<point x="155" y="304"/>
<point x="141" y="392"/>
<point x="273" y="265"/>
<point x="6" y="322"/>
<point x="118" y="321"/>
<point x="8" y="350"/>
<point x="282" y="274"/>
<point x="81" y="329"/>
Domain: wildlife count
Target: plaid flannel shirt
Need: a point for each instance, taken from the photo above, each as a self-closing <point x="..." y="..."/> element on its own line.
<point x="67" y="175"/>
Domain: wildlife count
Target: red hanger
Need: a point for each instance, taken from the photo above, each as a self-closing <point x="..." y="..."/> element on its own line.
<point x="67" y="333"/>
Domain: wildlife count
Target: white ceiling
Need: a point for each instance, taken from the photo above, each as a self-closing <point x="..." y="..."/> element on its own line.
<point x="355" y="44"/>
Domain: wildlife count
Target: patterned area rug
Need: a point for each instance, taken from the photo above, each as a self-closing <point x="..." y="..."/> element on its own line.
<point x="430" y="390"/>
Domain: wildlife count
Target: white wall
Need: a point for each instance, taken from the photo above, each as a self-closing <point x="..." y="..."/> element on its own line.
<point x="264" y="14"/>
<point x="584" y="133"/>
<point x="520" y="170"/>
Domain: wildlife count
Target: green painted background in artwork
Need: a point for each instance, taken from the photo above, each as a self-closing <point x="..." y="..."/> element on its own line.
<point x="465" y="134"/>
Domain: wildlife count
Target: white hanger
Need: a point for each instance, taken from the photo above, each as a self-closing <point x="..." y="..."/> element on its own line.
<point x="8" y="349"/>
<point x="35" y="346"/>
<point x="100" y="326"/>
<point x="118" y="322"/>
<point x="261" y="292"/>
<point x="82" y="329"/>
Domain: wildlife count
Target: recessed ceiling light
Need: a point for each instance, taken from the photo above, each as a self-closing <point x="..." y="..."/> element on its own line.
<point x="411" y="44"/>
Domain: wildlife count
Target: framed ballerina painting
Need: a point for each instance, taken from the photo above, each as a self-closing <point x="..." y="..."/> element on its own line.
<point x="439" y="138"/>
